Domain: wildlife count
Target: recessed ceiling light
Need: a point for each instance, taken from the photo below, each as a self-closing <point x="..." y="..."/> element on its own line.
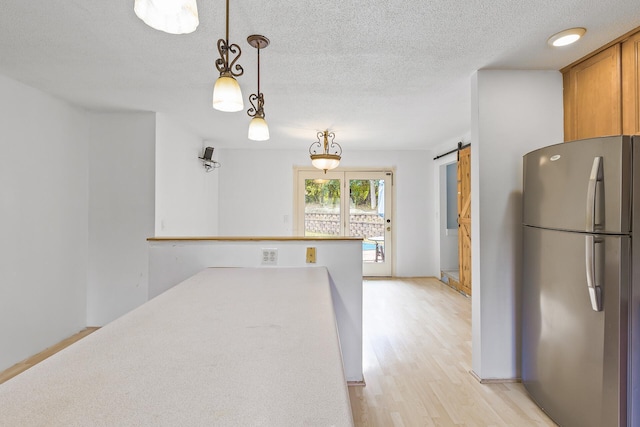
<point x="566" y="37"/>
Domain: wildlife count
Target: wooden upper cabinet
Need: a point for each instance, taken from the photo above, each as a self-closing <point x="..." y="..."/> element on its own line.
<point x="593" y="96"/>
<point x="631" y="85"/>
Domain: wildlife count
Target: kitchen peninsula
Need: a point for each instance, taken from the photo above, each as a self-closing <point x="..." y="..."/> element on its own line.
<point x="228" y="346"/>
<point x="174" y="259"/>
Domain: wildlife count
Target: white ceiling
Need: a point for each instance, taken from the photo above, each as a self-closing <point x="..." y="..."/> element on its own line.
<point x="382" y="74"/>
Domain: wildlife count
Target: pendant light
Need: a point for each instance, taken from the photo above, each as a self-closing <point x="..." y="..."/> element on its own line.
<point x="258" y="129"/>
<point x="227" y="95"/>
<point x="170" y="16"/>
<point x="329" y="158"/>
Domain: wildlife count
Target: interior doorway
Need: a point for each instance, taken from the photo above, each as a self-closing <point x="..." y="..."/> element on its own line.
<point x="449" y="267"/>
<point x="455" y="221"/>
<point x="352" y="203"/>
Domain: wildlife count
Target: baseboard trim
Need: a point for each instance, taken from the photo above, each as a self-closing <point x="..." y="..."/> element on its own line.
<point x="356" y="383"/>
<point x="494" y="380"/>
<point x="22" y="366"/>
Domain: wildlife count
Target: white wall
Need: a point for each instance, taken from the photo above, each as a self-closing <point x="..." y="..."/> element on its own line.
<point x="256" y="198"/>
<point x="186" y="195"/>
<point x="43" y="221"/>
<point x="256" y="192"/>
<point x="513" y="112"/>
<point x="121" y="213"/>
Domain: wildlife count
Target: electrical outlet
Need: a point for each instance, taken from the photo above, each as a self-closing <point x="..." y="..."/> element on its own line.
<point x="311" y="255"/>
<point x="269" y="256"/>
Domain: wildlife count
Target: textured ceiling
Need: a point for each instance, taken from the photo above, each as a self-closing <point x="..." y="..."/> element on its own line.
<point x="382" y="74"/>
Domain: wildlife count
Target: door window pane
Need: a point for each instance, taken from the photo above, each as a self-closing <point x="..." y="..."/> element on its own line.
<point x="322" y="207"/>
<point x="366" y="216"/>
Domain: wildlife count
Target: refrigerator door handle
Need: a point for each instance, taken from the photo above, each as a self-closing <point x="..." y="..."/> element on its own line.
<point x="595" y="294"/>
<point x="594" y="177"/>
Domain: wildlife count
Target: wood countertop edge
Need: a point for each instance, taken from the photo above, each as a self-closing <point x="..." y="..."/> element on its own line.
<point x="250" y="239"/>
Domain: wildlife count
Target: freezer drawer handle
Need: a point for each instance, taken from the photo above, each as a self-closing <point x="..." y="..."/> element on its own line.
<point x="595" y="294"/>
<point x="596" y="175"/>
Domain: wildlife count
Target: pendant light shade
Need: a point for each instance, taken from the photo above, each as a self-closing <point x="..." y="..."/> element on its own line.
<point x="258" y="129"/>
<point x="170" y="16"/>
<point x="227" y="95"/>
<point x="325" y="162"/>
<point x="329" y="157"/>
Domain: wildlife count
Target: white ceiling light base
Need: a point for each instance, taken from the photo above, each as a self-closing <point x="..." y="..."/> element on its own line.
<point x="170" y="16"/>
<point x="566" y="37"/>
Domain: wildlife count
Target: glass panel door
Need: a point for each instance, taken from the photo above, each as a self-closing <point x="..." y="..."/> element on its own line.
<point x="354" y="204"/>
<point x="369" y="218"/>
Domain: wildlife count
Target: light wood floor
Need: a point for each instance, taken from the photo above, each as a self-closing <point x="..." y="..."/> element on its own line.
<point x="417" y="359"/>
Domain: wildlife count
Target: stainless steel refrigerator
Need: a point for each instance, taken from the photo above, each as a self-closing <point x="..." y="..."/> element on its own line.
<point x="581" y="276"/>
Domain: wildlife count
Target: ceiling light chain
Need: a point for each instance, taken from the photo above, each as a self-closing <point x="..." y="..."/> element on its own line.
<point x="329" y="158"/>
<point x="259" y="110"/>
<point x="222" y="63"/>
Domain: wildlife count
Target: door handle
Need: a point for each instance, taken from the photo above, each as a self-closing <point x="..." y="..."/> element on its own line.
<point x="594" y="177"/>
<point x="595" y="292"/>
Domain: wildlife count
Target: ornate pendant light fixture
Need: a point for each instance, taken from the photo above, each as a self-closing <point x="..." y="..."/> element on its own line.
<point x="170" y="16"/>
<point x="227" y="95"/>
<point x="329" y="158"/>
<point x="258" y="129"/>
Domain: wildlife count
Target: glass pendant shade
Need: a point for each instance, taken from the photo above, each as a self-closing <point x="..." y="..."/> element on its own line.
<point x="170" y="16"/>
<point x="325" y="161"/>
<point x="258" y="129"/>
<point x="227" y="95"/>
